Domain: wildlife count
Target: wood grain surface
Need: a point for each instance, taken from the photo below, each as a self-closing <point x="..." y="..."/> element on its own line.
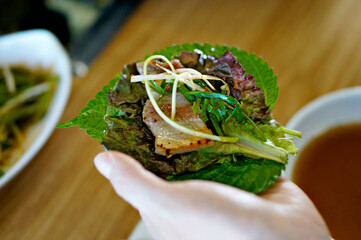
<point x="313" y="46"/>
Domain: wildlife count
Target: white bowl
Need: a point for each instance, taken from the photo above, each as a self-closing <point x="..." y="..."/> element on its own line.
<point x="330" y="110"/>
<point x="33" y="48"/>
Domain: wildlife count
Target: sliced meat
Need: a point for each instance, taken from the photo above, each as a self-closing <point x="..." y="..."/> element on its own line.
<point x="169" y="140"/>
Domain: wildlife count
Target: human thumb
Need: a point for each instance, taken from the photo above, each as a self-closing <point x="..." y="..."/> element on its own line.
<point x="129" y="178"/>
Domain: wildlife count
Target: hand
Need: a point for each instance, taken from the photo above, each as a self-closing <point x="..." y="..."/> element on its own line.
<point x="196" y="209"/>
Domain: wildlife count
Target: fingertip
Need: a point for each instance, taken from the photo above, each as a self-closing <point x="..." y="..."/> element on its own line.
<point x="129" y="178"/>
<point x="119" y="167"/>
<point x="103" y="164"/>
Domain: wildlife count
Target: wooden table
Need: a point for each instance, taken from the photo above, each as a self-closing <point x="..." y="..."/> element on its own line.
<point x="314" y="47"/>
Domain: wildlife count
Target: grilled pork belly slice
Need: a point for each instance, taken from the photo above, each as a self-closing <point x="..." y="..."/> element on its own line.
<point x="169" y="140"/>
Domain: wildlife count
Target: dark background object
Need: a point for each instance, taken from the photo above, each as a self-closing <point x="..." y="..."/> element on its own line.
<point x="39" y="16"/>
<point x="17" y="15"/>
<point x="88" y="45"/>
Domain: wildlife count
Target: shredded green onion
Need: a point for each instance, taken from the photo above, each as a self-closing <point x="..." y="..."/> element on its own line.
<point x="24" y="96"/>
<point x="9" y="79"/>
<point x="183" y="128"/>
<point x="174" y="97"/>
<point x="166" y="118"/>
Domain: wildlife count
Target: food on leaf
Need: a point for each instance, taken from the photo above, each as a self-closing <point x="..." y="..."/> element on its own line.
<point x="194" y="111"/>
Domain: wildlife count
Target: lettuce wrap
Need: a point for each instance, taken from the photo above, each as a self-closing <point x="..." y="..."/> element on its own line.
<point x="194" y="111"/>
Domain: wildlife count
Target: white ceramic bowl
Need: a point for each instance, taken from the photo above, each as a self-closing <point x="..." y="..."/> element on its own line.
<point x="33" y="48"/>
<point x="330" y="110"/>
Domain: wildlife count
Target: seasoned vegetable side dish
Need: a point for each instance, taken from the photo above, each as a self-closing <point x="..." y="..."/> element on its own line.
<point x="24" y="99"/>
<point x="194" y="111"/>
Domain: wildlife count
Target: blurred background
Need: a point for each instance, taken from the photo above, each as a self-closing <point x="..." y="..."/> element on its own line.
<point x="82" y="26"/>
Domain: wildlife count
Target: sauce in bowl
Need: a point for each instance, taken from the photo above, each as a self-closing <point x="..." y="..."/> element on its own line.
<point x="328" y="169"/>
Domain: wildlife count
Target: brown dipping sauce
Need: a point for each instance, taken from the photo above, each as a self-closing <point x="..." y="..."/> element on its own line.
<point x="329" y="170"/>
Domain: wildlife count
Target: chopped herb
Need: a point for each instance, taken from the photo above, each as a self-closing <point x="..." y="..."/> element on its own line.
<point x="228" y="99"/>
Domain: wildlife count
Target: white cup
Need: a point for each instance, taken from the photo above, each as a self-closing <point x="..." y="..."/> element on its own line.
<point x="330" y="110"/>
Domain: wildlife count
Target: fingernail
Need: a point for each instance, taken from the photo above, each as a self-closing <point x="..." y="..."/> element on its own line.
<point x="103" y="164"/>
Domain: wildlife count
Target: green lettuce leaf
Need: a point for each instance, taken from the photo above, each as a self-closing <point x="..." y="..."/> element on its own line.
<point x="91" y="117"/>
<point x="253" y="175"/>
<point x="276" y="148"/>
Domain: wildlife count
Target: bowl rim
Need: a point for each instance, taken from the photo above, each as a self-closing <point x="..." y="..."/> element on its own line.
<point x="319" y="102"/>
